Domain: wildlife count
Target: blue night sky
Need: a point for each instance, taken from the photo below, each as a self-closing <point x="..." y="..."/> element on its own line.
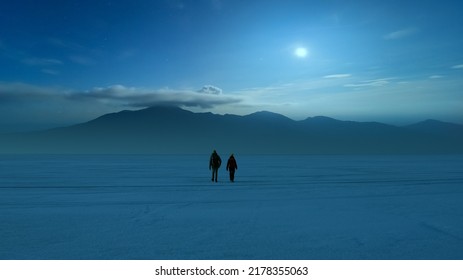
<point x="64" y="62"/>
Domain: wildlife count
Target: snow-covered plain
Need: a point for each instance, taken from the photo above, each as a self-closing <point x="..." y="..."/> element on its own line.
<point x="280" y="207"/>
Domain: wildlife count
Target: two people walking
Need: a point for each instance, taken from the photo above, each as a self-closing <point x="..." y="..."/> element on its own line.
<point x="215" y="162"/>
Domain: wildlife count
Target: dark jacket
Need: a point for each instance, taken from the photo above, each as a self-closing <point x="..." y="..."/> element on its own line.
<point x="231" y="164"/>
<point x="215" y="161"/>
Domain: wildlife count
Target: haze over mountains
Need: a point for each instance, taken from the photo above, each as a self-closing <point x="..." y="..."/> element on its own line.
<point x="171" y="130"/>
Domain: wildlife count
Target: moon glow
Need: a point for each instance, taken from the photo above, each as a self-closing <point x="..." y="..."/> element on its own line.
<point x="301" y="52"/>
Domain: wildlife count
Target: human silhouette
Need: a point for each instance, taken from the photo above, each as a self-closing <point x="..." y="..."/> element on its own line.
<point x="231" y="167"/>
<point x="214" y="163"/>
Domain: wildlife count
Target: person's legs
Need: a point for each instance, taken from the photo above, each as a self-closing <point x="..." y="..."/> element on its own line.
<point x="214" y="174"/>
<point x="232" y="175"/>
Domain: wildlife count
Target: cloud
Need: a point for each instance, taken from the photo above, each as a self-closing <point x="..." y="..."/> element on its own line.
<point x="435" y="77"/>
<point x="50" y="72"/>
<point x="337" y="76"/>
<point x="399" y="34"/>
<point x="207" y="97"/>
<point x="459" y="66"/>
<point x="117" y="95"/>
<point x="371" y="83"/>
<point x="208" y="89"/>
<point x="59" y="43"/>
<point x="82" y="60"/>
<point x="34" y="61"/>
<point x="47" y="64"/>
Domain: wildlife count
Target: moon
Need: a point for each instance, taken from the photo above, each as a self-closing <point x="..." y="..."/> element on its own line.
<point x="301" y="52"/>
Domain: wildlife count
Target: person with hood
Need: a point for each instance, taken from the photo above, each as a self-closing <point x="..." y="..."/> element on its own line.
<point x="214" y="163"/>
<point x="231" y="167"/>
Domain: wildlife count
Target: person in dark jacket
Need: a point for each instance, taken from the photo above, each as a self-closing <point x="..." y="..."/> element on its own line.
<point x="231" y="167"/>
<point x="214" y="163"/>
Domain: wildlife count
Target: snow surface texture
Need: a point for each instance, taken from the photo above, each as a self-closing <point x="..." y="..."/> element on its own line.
<point x="280" y="207"/>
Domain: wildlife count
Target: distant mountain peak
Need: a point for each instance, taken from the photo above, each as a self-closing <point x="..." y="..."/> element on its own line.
<point x="321" y="118"/>
<point x="436" y="127"/>
<point x="432" y="122"/>
<point x="267" y="115"/>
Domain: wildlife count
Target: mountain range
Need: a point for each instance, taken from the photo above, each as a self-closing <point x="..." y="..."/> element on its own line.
<point x="172" y="130"/>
